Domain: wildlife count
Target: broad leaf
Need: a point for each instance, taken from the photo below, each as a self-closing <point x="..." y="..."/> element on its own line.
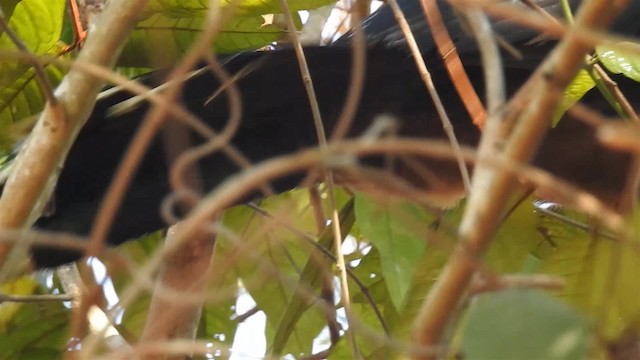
<point x="160" y="40"/>
<point x="7" y="7"/>
<point x="580" y="85"/>
<point x="620" y="62"/>
<point x="601" y="274"/>
<point x="397" y="230"/>
<point x="32" y="330"/>
<point x="178" y="8"/>
<point x="38" y="24"/>
<point x="269" y="258"/>
<point x="508" y="252"/>
<point x="315" y="272"/>
<point x="526" y="325"/>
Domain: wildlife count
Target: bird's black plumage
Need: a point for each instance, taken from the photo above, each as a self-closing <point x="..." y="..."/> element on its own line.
<point x="276" y="120"/>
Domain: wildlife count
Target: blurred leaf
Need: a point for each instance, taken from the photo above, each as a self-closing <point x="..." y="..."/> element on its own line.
<point x="317" y="267"/>
<point x="38" y="23"/>
<point x="517" y="236"/>
<point x="181" y="8"/>
<point x="601" y="274"/>
<point x="32" y="330"/>
<point x="246" y="33"/>
<point x="620" y="62"/>
<point x="269" y="259"/>
<point x="375" y="311"/>
<point x="398" y="230"/>
<point x="368" y="271"/>
<point x="524" y="325"/>
<point x="370" y="347"/>
<point x="580" y="85"/>
<point x="169" y="27"/>
<point x="508" y="253"/>
<point x="160" y="40"/>
<point x="25" y="285"/>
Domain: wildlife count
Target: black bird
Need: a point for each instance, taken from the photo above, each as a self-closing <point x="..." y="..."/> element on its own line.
<point x="276" y="120"/>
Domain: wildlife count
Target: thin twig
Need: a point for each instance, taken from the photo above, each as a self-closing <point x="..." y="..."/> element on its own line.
<point x="428" y="81"/>
<point x="235" y="188"/>
<point x="453" y="64"/>
<point x="34" y="298"/>
<point x="361" y="286"/>
<point x="346" y="116"/>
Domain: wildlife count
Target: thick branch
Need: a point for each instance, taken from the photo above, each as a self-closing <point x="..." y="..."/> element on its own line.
<point x="491" y="191"/>
<point x="184" y="271"/>
<point x="36" y="168"/>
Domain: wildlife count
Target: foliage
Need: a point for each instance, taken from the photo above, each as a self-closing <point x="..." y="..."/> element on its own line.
<point x="164" y="33"/>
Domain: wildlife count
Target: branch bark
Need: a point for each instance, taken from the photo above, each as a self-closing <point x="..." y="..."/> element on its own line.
<point x="491" y="188"/>
<point x="185" y="271"/>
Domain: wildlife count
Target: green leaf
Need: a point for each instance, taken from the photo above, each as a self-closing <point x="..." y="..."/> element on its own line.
<point x="169" y="27"/>
<point x="517" y="236"/>
<point x="580" y="85"/>
<point x="620" y="62"/>
<point x="25" y="285"/>
<point x="246" y="33"/>
<point x="525" y="325"/>
<point x="180" y="8"/>
<point x="32" y="330"/>
<point x="507" y="253"/>
<point x="601" y="274"/>
<point x="269" y="259"/>
<point x="398" y="230"/>
<point x="161" y="39"/>
<point x="38" y="23"/>
<point x="312" y="276"/>
<point x="375" y="311"/>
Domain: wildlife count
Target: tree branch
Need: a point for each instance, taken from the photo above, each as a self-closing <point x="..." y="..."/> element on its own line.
<point x="37" y="166"/>
<point x="184" y="271"/>
<point x="491" y="191"/>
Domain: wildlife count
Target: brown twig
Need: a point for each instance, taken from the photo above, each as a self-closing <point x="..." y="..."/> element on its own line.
<point x="236" y="187"/>
<point x="188" y="159"/>
<point x="356" y="83"/>
<point x="344" y="121"/>
<point x="428" y="81"/>
<point x="453" y="64"/>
